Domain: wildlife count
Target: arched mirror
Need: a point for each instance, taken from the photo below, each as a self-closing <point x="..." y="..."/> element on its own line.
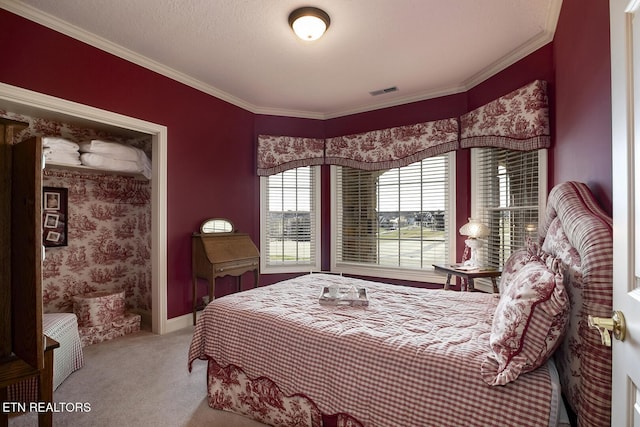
<point x="216" y="225"/>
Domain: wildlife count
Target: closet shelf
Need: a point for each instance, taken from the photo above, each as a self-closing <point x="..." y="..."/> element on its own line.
<point x="89" y="169"/>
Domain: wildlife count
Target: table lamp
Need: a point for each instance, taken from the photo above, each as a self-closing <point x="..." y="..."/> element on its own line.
<point x="474" y="230"/>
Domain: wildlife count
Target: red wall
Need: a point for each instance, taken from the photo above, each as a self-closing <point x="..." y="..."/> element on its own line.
<point x="211" y="143"/>
<point x="210" y="151"/>
<point x="583" y="98"/>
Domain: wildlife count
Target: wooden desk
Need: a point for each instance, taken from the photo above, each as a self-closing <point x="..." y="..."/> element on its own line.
<point x="221" y="254"/>
<point x="469" y="275"/>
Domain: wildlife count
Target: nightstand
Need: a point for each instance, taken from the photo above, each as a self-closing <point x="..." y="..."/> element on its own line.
<point x="469" y="275"/>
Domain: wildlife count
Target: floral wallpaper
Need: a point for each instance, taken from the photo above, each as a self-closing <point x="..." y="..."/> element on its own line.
<point x="109" y="240"/>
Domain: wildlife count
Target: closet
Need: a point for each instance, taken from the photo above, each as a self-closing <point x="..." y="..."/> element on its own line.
<point x="108" y="244"/>
<point x="44" y="115"/>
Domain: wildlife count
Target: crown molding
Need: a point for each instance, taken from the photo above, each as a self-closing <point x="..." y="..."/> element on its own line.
<point x="96" y="41"/>
<point x="101" y="43"/>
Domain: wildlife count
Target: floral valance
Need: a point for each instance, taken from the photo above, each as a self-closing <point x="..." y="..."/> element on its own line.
<point x="280" y="153"/>
<point x="393" y="147"/>
<point x="516" y="121"/>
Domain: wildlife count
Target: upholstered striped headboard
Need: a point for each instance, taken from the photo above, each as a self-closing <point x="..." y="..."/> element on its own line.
<point x="578" y="231"/>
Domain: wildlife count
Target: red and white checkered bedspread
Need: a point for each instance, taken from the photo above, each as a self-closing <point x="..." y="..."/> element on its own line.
<point x="411" y="358"/>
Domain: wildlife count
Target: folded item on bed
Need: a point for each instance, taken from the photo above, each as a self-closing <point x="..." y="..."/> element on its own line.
<point x="400" y="361"/>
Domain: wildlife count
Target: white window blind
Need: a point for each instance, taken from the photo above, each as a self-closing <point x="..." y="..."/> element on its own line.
<point x="396" y="218"/>
<point x="510" y="188"/>
<point x="290" y="221"/>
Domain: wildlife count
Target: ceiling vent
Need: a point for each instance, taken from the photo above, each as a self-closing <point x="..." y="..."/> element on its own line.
<point x="383" y="91"/>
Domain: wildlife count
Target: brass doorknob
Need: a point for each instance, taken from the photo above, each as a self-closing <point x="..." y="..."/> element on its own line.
<point x="615" y="324"/>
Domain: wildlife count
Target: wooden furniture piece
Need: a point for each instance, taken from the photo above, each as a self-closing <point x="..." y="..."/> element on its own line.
<point x="217" y="251"/>
<point x="22" y="343"/>
<point x="45" y="385"/>
<point x="469" y="275"/>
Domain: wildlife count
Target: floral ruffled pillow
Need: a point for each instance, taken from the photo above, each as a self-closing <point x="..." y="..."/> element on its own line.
<point x="529" y="321"/>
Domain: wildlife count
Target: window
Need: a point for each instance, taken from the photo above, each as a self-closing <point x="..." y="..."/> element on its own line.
<point x="393" y="223"/>
<point x="290" y="220"/>
<point x="509" y="196"/>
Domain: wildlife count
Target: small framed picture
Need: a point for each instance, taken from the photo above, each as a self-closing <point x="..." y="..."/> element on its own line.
<point x="51" y="200"/>
<point x="54" y="216"/>
<point x="52" y="236"/>
<point x="51" y="220"/>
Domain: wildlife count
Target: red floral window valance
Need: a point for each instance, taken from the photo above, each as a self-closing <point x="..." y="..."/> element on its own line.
<point x="516" y="121"/>
<point x="393" y="147"/>
<point x="279" y="153"/>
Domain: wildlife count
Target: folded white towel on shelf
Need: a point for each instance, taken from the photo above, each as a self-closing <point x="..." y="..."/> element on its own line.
<point x="59" y="144"/>
<point x="144" y="163"/>
<point x="112" y="150"/>
<point x="62" y="157"/>
<point x="118" y="152"/>
<point x="100" y="161"/>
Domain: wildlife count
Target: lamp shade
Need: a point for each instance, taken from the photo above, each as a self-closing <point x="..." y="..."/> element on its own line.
<point x="309" y="23"/>
<point x="474" y="229"/>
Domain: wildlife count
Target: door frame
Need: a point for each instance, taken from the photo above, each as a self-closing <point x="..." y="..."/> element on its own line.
<point x="34" y="102"/>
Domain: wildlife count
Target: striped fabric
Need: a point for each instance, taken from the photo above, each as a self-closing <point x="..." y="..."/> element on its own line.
<point x="576" y="230"/>
<point x="411" y="358"/>
<point x="62" y="327"/>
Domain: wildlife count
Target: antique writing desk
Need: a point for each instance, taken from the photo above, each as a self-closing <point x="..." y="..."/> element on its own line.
<point x="220" y="251"/>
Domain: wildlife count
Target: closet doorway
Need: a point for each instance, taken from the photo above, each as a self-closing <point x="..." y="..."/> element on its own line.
<point x="35" y="104"/>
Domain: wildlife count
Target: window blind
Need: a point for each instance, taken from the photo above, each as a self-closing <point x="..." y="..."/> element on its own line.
<point x="289" y="228"/>
<point x="395" y="218"/>
<point x="507" y="200"/>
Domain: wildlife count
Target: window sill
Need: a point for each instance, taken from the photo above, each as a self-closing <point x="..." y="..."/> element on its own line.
<point x="425" y="276"/>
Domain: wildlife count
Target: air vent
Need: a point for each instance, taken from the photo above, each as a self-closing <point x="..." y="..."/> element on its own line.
<point x="383" y="91"/>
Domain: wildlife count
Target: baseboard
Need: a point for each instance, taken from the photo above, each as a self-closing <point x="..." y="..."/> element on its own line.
<point x="180" y="322"/>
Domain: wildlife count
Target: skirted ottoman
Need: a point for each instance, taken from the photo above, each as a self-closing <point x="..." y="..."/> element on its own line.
<point x="102" y="316"/>
<point x="68" y="358"/>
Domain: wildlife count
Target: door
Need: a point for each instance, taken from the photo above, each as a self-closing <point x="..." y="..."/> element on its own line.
<point x="625" y="100"/>
<point x="26" y="248"/>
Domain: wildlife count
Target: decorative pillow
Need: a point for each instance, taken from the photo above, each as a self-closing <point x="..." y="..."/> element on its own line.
<point x="528" y="323"/>
<point x="514" y="263"/>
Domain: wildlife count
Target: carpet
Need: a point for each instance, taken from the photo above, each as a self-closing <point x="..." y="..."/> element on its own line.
<point x="140" y="379"/>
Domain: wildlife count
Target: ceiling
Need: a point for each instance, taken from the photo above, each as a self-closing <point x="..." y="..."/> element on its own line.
<point x="244" y="52"/>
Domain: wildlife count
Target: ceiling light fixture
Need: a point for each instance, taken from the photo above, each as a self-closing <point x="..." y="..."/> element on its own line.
<point x="309" y="23"/>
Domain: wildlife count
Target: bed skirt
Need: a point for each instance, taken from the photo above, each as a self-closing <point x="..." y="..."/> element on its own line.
<point x="230" y="389"/>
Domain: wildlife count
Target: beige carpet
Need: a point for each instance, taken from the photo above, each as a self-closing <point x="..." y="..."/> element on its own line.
<point x="138" y="380"/>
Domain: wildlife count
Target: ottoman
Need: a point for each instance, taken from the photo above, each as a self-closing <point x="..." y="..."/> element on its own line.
<point x="102" y="316"/>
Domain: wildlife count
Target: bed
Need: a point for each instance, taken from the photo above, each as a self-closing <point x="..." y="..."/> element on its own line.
<point x="426" y="357"/>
